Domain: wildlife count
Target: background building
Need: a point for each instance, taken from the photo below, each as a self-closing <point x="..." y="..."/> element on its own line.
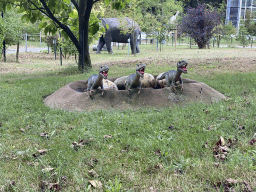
<point x="236" y="10"/>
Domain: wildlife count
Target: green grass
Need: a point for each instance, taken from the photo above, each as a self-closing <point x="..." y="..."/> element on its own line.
<point x="170" y="149"/>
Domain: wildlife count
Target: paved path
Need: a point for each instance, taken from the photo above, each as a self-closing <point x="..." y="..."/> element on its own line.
<point x="32" y="49"/>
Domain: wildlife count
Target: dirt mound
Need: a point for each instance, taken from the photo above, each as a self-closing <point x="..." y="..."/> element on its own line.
<point x="73" y="97"/>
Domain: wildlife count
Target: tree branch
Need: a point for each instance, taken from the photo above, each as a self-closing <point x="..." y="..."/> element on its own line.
<point x="75" y="4"/>
<point x="95" y="1"/>
<point x="40" y="9"/>
<point x="61" y="25"/>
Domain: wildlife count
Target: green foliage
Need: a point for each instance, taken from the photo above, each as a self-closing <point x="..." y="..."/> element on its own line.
<point x="67" y="47"/>
<point x="250" y="23"/>
<point x="229" y="32"/>
<point x="242" y="36"/>
<point x="229" y="29"/>
<point x="13" y="26"/>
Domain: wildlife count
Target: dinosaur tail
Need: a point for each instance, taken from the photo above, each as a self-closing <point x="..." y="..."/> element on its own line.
<point x="161" y="77"/>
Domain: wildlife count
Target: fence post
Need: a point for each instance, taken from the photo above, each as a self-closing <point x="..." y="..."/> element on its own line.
<point x="40" y="39"/>
<point x="26" y="39"/>
<point x="176" y="34"/>
<point x="128" y="45"/>
<point x="60" y="50"/>
<point x="54" y="42"/>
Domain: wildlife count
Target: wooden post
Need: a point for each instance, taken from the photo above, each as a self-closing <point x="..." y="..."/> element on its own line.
<point x="176" y="34"/>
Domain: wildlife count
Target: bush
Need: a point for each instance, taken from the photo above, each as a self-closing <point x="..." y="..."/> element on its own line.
<point x="199" y="23"/>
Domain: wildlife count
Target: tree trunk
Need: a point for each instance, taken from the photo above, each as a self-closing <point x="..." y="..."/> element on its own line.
<point x="17" y="52"/>
<point x="84" y="62"/>
<point x="4" y="51"/>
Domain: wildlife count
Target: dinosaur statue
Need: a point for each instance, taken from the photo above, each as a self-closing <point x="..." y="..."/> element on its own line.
<point x="95" y="80"/>
<point x="133" y="80"/>
<point x="173" y="76"/>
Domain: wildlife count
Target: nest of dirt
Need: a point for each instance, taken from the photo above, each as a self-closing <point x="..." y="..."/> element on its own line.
<point x="73" y="97"/>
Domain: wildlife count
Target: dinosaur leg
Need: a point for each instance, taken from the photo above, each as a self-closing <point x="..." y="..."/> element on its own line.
<point x="102" y="91"/>
<point x="90" y="93"/>
<point x="129" y="91"/>
<point x="139" y="88"/>
<point x="181" y="85"/>
<point x="174" y="87"/>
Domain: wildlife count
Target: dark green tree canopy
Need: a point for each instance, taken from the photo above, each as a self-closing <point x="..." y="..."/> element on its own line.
<point x="73" y="18"/>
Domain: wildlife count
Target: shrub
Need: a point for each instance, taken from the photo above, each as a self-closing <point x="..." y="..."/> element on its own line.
<point x="199" y="23"/>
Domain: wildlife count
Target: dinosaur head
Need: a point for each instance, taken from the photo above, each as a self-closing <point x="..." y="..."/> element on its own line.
<point x="182" y="66"/>
<point x="140" y="69"/>
<point x="104" y="71"/>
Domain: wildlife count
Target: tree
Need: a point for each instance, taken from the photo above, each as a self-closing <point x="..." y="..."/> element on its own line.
<point x="199" y="23"/>
<point x="194" y="3"/>
<point x="13" y="27"/>
<point x="242" y="35"/>
<point x="65" y="15"/>
<point x="2" y="34"/>
<point x="250" y="23"/>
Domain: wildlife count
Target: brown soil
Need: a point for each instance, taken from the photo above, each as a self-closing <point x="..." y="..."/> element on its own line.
<point x="72" y="97"/>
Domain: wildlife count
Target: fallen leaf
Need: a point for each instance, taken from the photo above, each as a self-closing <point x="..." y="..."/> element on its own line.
<point x="241" y="127"/>
<point x="251" y="142"/>
<point x="159" y="166"/>
<point x="93" y="173"/>
<point x="96" y="183"/>
<point x="107" y="136"/>
<point x="42" y="151"/>
<point x="152" y="189"/>
<point x="231" y="181"/>
<point x="54" y="186"/>
<point x="158" y="152"/>
<point x="47" y="169"/>
<point x="211" y="127"/>
<point x="224" y="148"/>
<point x="222" y="141"/>
<point x="22" y="130"/>
<point x="248" y="188"/>
<point x="33" y="164"/>
<point x="44" y="135"/>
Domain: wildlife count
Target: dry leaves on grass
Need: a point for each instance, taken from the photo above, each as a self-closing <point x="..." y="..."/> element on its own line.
<point x="93" y="173"/>
<point x="47" y="169"/>
<point x="39" y="152"/>
<point x="81" y="143"/>
<point x="44" y="135"/>
<point x="222" y="148"/>
<point x="96" y="184"/>
<point x="107" y="136"/>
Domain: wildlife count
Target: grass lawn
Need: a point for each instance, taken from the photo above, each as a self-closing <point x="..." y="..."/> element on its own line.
<point x="192" y="147"/>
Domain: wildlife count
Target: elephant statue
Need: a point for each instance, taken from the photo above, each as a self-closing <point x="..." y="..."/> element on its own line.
<point x="113" y="33"/>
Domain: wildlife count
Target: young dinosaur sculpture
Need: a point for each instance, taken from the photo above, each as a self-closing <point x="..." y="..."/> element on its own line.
<point x="133" y="80"/>
<point x="173" y="76"/>
<point x="95" y="80"/>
